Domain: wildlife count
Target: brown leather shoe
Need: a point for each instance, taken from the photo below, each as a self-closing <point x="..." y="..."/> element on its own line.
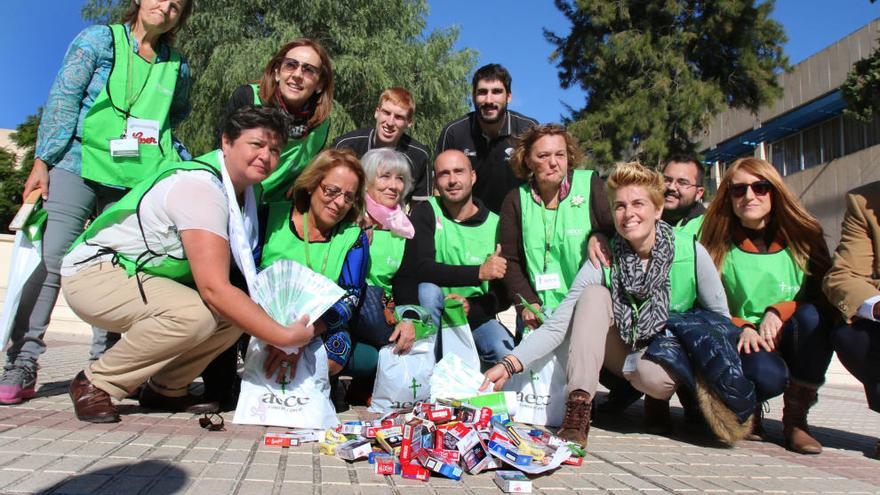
<point x="576" y="424"/>
<point x="796" y="403"/>
<point x="150" y="399"/>
<point x="657" y="418"/>
<point x="91" y="403"/>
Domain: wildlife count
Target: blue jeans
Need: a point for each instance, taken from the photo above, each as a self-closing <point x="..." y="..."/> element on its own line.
<point x="767" y="370"/>
<point x="492" y="339"/>
<point x="805" y="345"/>
<point x="858" y="348"/>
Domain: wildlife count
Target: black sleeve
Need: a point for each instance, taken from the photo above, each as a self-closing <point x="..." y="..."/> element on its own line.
<point x="600" y="210"/>
<point x="242" y="96"/>
<point x="484" y="308"/>
<point x="421" y="179"/>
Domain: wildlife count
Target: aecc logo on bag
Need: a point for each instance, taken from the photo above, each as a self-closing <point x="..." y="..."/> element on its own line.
<point x="288" y="401"/>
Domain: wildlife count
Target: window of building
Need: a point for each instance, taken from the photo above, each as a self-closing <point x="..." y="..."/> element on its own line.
<point x="812" y="146"/>
<point x="831" y="148"/>
<point x="853" y="135"/>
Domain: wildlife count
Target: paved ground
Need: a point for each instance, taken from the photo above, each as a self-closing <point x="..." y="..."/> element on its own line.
<point x="44" y="449"/>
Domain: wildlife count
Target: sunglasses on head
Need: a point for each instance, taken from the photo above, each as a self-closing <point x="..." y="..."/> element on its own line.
<point x="760" y="188"/>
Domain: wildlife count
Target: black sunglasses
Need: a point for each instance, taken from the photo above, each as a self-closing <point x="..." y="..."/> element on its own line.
<point x="212" y="422"/>
<point x="760" y="188"/>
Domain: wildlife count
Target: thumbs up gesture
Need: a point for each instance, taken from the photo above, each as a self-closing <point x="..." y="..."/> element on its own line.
<point x="494" y="267"/>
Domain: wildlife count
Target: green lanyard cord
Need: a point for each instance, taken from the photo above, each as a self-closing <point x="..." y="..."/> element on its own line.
<point x="129" y="99"/>
<point x="306" y="238"/>
<point x="548" y="235"/>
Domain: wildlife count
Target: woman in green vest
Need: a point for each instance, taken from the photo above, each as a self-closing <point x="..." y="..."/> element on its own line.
<point x="772" y="256"/>
<point x="156" y="266"/>
<point x="319" y="230"/>
<point x="106" y="124"/>
<point x="545" y="223"/>
<point x="389" y="180"/>
<point x="298" y="79"/>
<point x="654" y="273"/>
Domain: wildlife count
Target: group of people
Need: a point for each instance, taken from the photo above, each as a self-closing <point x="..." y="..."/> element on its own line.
<point x="728" y="306"/>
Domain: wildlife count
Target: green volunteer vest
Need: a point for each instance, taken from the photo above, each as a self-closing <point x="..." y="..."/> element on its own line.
<point x="282" y="243"/>
<point x="692" y="228"/>
<point x="754" y="281"/>
<point x="386" y="253"/>
<point x="169" y="266"/>
<point x="107" y="119"/>
<point x="297" y="153"/>
<point x="682" y="274"/>
<point x="456" y="244"/>
<point x="555" y="241"/>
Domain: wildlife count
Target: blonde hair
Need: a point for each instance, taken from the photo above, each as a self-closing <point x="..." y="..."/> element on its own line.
<point x="800" y="229"/>
<point x="636" y="174"/>
<point x="314" y="173"/>
<point x="528" y="138"/>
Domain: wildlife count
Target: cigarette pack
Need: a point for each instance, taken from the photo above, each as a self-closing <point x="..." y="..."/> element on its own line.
<point x="386" y="465"/>
<point x="513" y="482"/>
<point x="509" y="452"/>
<point x="472" y="449"/>
<point x="439" y="415"/>
<point x="351" y="428"/>
<point x="451" y="471"/>
<point x="574" y="461"/>
<point x="332" y="436"/>
<point x="448" y="456"/>
<point x="306" y="436"/>
<point x="354" y="449"/>
<point x="414" y="472"/>
<point x="280" y="440"/>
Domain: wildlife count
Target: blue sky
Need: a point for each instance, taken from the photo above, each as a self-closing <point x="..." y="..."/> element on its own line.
<point x="36" y="33"/>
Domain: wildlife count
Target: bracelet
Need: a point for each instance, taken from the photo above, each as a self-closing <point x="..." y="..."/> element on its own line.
<point x="508" y="366"/>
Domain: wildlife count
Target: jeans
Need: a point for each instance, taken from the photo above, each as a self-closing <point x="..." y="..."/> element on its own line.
<point x="71" y="202"/>
<point x="492" y="339"/>
<point x="858" y="348"/>
<point x="767" y="370"/>
<point x="806" y="344"/>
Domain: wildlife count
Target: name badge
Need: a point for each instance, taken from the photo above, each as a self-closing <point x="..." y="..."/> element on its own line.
<point x="547" y="281"/>
<point x="124" y="148"/>
<point x="145" y="131"/>
<point x="632" y="359"/>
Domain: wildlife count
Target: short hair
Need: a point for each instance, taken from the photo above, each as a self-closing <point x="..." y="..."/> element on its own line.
<point x="685" y="158"/>
<point x="492" y="72"/>
<point x="381" y="160"/>
<point x="134" y="6"/>
<point x="400" y="97"/>
<point x="249" y="117"/>
<point x="322" y="102"/>
<point x="528" y="138"/>
<point x="314" y="173"/>
<point x="636" y="174"/>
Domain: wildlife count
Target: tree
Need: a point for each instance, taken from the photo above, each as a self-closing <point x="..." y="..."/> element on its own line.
<point x="374" y="44"/>
<point x="656" y="71"/>
<point x="861" y="90"/>
<point x="14" y="171"/>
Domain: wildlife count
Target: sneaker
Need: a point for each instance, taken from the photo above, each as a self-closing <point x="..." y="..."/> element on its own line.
<point x="17" y="384"/>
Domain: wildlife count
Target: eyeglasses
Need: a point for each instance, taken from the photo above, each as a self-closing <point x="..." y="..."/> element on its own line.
<point x="212" y="422"/>
<point x="760" y="188"/>
<point x="333" y="192"/>
<point x="681" y="183"/>
<point x="289" y="66"/>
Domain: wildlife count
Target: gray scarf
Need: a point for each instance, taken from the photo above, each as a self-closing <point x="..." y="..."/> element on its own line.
<point x="640" y="297"/>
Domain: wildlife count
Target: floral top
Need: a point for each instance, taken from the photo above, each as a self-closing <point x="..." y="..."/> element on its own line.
<point x="83" y="74"/>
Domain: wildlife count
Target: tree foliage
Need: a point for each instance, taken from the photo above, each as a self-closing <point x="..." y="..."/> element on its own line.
<point x="14" y="169"/>
<point x="656" y="71"/>
<point x="861" y="90"/>
<point x="374" y="44"/>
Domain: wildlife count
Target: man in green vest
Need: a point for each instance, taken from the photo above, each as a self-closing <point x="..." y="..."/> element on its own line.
<point x="454" y="254"/>
<point x="682" y="208"/>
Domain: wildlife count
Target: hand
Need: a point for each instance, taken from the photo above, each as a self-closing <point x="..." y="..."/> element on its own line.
<point x="770" y="328"/>
<point x="530" y="319"/>
<point x="281" y="362"/>
<point x="300" y="333"/>
<point x="751" y="341"/>
<point x="599" y="250"/>
<point x="464" y="302"/>
<point x="494" y="267"/>
<point x="38" y="179"/>
<point x="404" y="335"/>
<point x="496" y="376"/>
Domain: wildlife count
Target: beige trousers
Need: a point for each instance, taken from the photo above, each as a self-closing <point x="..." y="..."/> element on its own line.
<point x="168" y="341"/>
<point x="595" y="342"/>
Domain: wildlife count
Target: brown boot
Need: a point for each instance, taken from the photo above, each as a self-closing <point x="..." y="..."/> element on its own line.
<point x="797" y="401"/>
<point x="657" y="418"/>
<point x="757" y="433"/>
<point x="576" y="424"/>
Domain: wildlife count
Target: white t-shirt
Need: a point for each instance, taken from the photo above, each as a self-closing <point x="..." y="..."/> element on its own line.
<point x="185" y="200"/>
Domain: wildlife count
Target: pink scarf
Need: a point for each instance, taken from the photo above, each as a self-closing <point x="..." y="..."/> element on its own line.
<point x="393" y="219"/>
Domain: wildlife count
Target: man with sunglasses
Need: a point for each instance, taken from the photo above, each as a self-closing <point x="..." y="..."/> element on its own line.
<point x="682" y="208"/>
<point x="454" y="254"/>
<point x="394" y="115"/>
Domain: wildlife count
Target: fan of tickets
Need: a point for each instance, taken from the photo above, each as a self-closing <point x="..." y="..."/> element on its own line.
<point x="287" y="289"/>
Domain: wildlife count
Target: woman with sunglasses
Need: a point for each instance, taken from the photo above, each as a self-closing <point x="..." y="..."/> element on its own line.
<point x="319" y="230"/>
<point x="772" y="256"/>
<point x="299" y="80"/>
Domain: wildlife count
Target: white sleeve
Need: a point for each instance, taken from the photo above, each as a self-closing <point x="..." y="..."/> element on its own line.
<point x="196" y="201"/>
<point x="866" y="309"/>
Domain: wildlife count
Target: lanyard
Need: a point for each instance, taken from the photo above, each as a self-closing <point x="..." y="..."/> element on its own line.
<point x="130" y="99"/>
<point x="548" y="235"/>
<point x="306" y="238"/>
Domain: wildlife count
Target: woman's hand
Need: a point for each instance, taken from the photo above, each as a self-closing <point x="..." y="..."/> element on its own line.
<point x="529" y="318"/>
<point x="38" y="179"/>
<point x="770" y="328"/>
<point x="404" y="335"/>
<point x="599" y="250"/>
<point x="464" y="302"/>
<point x="498" y="375"/>
<point x="299" y="333"/>
<point x="281" y="362"/>
<point x="751" y="341"/>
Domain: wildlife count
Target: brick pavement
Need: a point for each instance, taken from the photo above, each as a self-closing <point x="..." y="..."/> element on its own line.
<point x="44" y="449"/>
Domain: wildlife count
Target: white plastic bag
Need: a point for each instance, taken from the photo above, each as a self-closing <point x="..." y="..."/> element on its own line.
<point x="304" y="402"/>
<point x="540" y="391"/>
<point x="403" y="379"/>
<point x="456" y="337"/>
<point x="27" y="254"/>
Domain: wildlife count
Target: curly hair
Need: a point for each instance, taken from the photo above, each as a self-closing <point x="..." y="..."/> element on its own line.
<point x="528" y="138"/>
<point x="134" y="6"/>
